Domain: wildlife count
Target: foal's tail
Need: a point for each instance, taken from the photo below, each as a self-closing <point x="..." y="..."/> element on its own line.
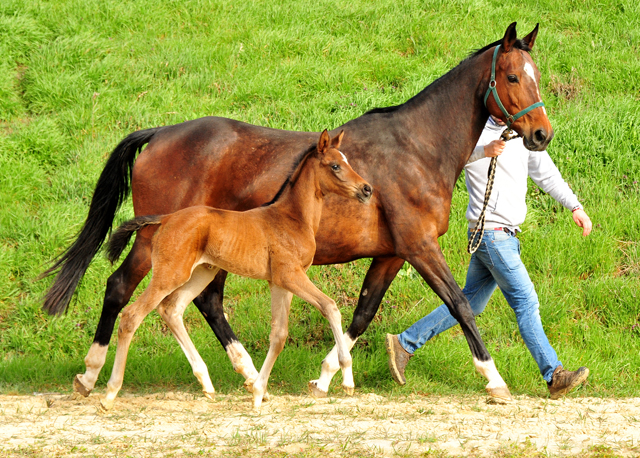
<point x="120" y="238"/>
<point x="111" y="191"/>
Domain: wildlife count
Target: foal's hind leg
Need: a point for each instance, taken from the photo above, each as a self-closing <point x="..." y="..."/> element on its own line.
<point x="120" y="286"/>
<point x="300" y="285"/>
<point x="209" y="302"/>
<point x="131" y="318"/>
<point x="280" y="306"/>
<point x="377" y="281"/>
<point x="171" y="310"/>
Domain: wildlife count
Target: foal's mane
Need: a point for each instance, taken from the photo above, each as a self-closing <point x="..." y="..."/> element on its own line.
<point x="293" y="176"/>
<point x="519" y="44"/>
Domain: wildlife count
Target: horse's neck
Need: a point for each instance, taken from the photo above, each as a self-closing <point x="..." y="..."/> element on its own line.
<point x="302" y="200"/>
<point x="448" y="116"/>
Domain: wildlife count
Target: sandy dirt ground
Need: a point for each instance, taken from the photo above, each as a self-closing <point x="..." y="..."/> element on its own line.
<point x="183" y="424"/>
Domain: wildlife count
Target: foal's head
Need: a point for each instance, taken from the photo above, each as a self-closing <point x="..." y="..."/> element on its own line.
<point x="517" y="81"/>
<point x="334" y="172"/>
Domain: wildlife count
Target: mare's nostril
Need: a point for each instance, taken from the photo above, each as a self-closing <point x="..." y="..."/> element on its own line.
<point x="540" y="135"/>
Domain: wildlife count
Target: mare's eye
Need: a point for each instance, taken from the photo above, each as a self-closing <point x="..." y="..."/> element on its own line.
<point x="335" y="167"/>
<point x="512" y="78"/>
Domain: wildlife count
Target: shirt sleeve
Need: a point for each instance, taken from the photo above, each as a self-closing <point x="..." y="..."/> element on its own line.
<point x="545" y="174"/>
<point x="478" y="153"/>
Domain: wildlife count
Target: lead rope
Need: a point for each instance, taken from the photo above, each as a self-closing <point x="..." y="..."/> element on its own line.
<point x="473" y="245"/>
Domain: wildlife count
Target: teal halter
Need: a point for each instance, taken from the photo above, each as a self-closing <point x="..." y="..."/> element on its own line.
<point x="492" y="90"/>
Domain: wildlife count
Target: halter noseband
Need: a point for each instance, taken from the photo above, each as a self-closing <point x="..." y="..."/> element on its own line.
<point x="492" y="90"/>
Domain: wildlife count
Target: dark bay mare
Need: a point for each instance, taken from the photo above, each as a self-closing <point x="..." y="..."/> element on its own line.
<point x="412" y="154"/>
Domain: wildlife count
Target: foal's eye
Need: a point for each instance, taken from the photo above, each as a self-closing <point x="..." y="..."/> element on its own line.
<point x="512" y="78"/>
<point x="335" y="167"/>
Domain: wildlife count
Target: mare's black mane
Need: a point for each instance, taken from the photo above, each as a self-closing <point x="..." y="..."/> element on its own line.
<point x="519" y="44"/>
<point x="297" y="165"/>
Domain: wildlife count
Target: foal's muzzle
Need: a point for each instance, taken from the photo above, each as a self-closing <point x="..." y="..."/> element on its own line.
<point x="364" y="193"/>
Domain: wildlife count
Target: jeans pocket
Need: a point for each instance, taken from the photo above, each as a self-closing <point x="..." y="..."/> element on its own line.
<point x="507" y="254"/>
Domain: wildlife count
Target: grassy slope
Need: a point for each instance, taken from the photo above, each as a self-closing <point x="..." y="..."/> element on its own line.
<point x="77" y="76"/>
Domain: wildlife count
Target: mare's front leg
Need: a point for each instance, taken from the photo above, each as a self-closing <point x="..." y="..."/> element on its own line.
<point x="120" y="286"/>
<point x="431" y="265"/>
<point x="280" y="307"/>
<point x="380" y="275"/>
<point x="209" y="302"/>
<point x="299" y="284"/>
<point x="172" y="308"/>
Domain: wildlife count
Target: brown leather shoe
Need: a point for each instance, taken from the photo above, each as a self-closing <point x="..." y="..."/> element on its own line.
<point x="564" y="381"/>
<point x="398" y="358"/>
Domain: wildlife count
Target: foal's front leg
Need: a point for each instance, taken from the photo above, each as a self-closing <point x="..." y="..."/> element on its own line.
<point x="380" y="275"/>
<point x="280" y="306"/>
<point x="298" y="283"/>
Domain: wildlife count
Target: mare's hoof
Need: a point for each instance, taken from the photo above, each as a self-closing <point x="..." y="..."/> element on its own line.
<point x="106" y="405"/>
<point x="315" y="391"/>
<point x="209" y="395"/>
<point x="249" y="387"/>
<point x="499" y="395"/>
<point x="349" y="390"/>
<point x="79" y="387"/>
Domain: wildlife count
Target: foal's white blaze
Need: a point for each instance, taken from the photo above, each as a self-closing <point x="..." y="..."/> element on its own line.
<point x="488" y="370"/>
<point x="343" y="156"/>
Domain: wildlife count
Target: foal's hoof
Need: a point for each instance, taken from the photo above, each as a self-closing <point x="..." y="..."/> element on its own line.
<point x="79" y="387"/>
<point x="315" y="391"/>
<point x="209" y="395"/>
<point x="106" y="405"/>
<point x="349" y="390"/>
<point x="499" y="395"/>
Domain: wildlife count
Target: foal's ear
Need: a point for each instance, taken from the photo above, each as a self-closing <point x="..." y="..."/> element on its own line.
<point x="337" y="140"/>
<point x="531" y="38"/>
<point x="510" y="37"/>
<point x="323" y="142"/>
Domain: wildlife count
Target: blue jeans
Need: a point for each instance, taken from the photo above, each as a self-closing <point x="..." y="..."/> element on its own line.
<point x="496" y="263"/>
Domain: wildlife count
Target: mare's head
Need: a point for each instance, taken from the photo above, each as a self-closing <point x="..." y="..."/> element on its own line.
<point x="334" y="172"/>
<point x="517" y="81"/>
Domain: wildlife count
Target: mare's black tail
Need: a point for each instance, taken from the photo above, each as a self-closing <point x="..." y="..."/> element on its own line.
<point x="111" y="191"/>
<point x="120" y="238"/>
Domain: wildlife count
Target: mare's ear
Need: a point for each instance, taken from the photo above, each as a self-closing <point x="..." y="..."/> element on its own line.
<point x="337" y="140"/>
<point x="531" y="38"/>
<point x="510" y="37"/>
<point x="323" y="142"/>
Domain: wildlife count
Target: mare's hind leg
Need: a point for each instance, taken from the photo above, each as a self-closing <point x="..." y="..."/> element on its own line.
<point x="380" y="275"/>
<point x="131" y="318"/>
<point x="299" y="284"/>
<point x="120" y="286"/>
<point x="172" y="308"/>
<point x="209" y="302"/>
<point x="280" y="306"/>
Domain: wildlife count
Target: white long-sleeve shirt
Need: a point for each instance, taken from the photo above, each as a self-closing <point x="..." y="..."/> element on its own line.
<point x="507" y="205"/>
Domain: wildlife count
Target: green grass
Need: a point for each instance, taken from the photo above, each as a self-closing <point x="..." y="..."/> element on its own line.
<point x="78" y="76"/>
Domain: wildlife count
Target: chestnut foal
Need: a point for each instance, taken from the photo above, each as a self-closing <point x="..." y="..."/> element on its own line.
<point x="275" y="242"/>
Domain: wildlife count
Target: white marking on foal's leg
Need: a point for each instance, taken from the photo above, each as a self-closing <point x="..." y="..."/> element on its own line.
<point x="488" y="370"/>
<point x="84" y="383"/>
<point x="330" y="365"/>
